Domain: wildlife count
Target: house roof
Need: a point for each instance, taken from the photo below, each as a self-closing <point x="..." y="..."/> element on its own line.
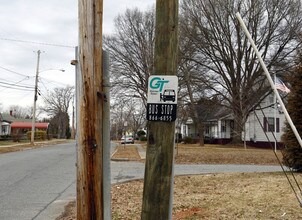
<point x="10" y="118"/>
<point x="214" y="112"/>
<point x="39" y="125"/>
<point x="222" y="112"/>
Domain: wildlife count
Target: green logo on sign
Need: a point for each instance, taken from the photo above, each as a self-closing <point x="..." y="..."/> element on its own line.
<point x="158" y="83"/>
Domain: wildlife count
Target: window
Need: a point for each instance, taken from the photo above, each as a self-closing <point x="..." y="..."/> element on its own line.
<point x="207" y="130"/>
<point x="271" y="99"/>
<point x="184" y="127"/>
<point x="223" y="126"/>
<point x="269" y="124"/>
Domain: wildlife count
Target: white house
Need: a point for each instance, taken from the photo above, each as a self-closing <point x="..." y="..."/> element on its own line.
<point x="5" y="126"/>
<point x="219" y="127"/>
<point x="271" y="126"/>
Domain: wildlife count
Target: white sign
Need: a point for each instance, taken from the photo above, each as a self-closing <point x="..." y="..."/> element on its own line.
<point x="162" y="89"/>
<point x="162" y="98"/>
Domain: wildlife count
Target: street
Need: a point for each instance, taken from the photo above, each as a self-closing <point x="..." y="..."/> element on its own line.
<point x="37" y="183"/>
<point x="31" y="180"/>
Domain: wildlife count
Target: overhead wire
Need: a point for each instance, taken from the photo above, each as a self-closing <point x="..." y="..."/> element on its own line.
<point x="42" y="95"/>
<point x="14" y="85"/>
<point x="45" y="87"/>
<point x="11" y="71"/>
<point x="34" y="42"/>
<point x="53" y="82"/>
<point x="16" y="88"/>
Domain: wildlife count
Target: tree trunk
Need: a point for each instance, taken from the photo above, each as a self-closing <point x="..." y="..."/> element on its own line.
<point x="238" y="127"/>
<point x="201" y="133"/>
<point x="196" y="120"/>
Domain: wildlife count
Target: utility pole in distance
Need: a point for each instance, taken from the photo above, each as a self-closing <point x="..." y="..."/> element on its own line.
<point x="90" y="193"/>
<point x="158" y="182"/>
<point x="32" y="139"/>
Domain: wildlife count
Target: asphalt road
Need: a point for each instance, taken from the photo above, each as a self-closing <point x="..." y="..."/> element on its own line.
<point x="31" y="180"/>
<point x="36" y="184"/>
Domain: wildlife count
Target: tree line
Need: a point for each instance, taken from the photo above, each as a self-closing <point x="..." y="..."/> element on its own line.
<point x="56" y="106"/>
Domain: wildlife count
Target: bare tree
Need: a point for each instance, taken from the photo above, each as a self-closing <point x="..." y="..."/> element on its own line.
<point x="131" y="51"/>
<point x="57" y="105"/>
<point x="127" y="110"/>
<point x="221" y="50"/>
<point x="21" y="112"/>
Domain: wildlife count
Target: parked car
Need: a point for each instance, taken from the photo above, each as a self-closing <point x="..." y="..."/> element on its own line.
<point x="129" y="140"/>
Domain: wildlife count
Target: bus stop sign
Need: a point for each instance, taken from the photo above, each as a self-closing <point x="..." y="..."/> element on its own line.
<point x="162" y="98"/>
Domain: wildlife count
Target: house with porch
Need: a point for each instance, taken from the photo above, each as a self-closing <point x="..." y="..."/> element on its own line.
<point x="5" y="128"/>
<point x="218" y="127"/>
<point x="12" y="125"/>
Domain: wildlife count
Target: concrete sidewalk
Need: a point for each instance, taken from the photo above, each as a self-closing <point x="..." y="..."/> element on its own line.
<point x="141" y="151"/>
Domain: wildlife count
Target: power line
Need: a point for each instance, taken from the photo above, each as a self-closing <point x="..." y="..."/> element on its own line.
<point x="16" y="88"/>
<point x="16" y="85"/>
<point x="52" y="82"/>
<point x="11" y="71"/>
<point x="26" y="87"/>
<point x="33" y="42"/>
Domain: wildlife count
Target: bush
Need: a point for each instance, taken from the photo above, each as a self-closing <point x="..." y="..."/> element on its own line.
<point x="141" y="133"/>
<point x="178" y="138"/>
<point x="5" y="137"/>
<point x="143" y="138"/>
<point x="39" y="135"/>
<point x="188" y="140"/>
<point x="17" y="137"/>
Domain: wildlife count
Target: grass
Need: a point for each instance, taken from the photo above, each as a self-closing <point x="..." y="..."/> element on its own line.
<point x="10" y="146"/>
<point x="126" y="153"/>
<point x="222" y="154"/>
<point x="214" y="196"/>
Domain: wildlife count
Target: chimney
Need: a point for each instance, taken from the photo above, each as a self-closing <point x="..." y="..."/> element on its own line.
<point x="11" y="112"/>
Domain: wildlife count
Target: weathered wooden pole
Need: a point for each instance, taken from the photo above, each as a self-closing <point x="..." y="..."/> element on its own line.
<point x="90" y="203"/>
<point x="158" y="182"/>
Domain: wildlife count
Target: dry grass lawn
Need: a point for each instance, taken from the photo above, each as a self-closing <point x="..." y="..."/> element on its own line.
<point x="216" y="196"/>
<point x="126" y="153"/>
<point x="212" y="196"/>
<point x="224" y="154"/>
<point x="7" y="147"/>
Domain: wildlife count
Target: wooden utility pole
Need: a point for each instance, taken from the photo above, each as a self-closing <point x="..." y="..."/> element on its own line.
<point x="32" y="139"/>
<point x="158" y="182"/>
<point x="90" y="203"/>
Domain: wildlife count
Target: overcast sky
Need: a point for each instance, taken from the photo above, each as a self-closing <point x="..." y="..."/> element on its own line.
<point x="48" y="26"/>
